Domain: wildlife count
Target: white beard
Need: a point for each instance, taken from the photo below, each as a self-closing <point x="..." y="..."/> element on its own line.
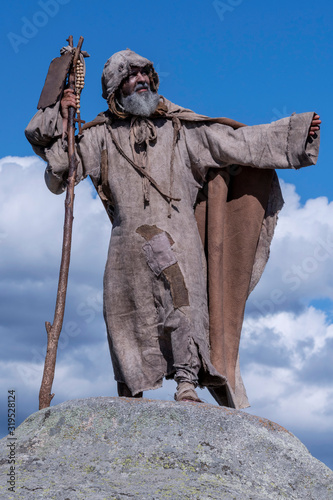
<point x="140" y="104"/>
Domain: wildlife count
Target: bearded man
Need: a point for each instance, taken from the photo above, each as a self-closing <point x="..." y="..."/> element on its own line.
<point x="148" y="159"/>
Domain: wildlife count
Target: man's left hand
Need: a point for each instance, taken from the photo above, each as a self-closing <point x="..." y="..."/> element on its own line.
<point x="315" y="125"/>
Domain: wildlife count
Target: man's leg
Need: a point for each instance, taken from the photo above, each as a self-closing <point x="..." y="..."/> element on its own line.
<point x="187" y="364"/>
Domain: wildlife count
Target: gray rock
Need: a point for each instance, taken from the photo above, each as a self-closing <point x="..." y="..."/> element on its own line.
<point x="117" y="448"/>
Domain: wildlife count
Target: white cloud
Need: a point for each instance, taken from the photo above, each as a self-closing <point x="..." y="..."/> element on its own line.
<point x="278" y="395"/>
<point x="23" y="161"/>
<point x="31" y="220"/>
<point x="286" y="361"/>
<point x="300" y="268"/>
<point x="301" y="335"/>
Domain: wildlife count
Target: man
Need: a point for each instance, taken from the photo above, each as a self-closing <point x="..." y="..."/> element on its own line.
<point x="148" y="159"/>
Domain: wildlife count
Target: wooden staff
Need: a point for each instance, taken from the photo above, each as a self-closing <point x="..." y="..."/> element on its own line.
<point x="54" y="330"/>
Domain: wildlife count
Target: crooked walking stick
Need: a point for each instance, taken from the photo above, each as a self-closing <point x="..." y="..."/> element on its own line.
<point x="75" y="82"/>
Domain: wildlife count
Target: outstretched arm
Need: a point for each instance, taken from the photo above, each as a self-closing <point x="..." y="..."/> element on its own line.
<point x="288" y="143"/>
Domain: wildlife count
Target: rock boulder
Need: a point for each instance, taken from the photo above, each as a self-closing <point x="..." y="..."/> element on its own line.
<point x="118" y="448"/>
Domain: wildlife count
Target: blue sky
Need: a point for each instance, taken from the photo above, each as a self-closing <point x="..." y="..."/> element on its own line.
<point x="254" y="61"/>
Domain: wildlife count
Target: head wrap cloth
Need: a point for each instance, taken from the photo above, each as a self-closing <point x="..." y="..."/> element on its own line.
<point x="118" y="67"/>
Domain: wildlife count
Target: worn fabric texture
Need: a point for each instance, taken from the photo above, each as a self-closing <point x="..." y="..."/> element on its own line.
<point x="156" y="246"/>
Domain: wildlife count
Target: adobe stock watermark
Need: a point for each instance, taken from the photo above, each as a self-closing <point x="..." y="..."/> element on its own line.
<point x="280" y="113"/>
<point x="222" y="8"/>
<point x="30" y="27"/>
<point x="297" y="274"/>
<point x="162" y="75"/>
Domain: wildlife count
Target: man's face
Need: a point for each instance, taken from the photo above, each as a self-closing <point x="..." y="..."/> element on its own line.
<point x="136" y="97"/>
<point x="137" y="81"/>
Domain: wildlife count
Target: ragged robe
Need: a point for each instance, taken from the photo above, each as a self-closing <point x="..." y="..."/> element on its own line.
<point x="155" y="282"/>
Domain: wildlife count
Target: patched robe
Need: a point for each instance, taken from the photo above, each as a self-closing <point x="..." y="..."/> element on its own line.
<point x="155" y="282"/>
